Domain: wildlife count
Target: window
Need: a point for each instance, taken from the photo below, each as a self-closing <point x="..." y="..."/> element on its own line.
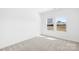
<point x="60" y="23"/>
<point x="50" y="25"/>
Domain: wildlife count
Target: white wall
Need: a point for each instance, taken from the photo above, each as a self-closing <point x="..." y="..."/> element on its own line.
<point x="18" y="24"/>
<point x="72" y="23"/>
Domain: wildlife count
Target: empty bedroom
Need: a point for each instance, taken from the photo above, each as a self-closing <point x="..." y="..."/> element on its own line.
<point x="39" y="29"/>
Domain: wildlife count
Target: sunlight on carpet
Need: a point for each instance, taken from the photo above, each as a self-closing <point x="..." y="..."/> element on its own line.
<point x="48" y="37"/>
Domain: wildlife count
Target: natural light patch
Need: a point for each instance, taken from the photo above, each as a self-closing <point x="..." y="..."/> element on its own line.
<point x="48" y="38"/>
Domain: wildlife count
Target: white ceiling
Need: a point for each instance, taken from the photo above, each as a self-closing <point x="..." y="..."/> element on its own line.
<point x="40" y="10"/>
<point x="43" y="9"/>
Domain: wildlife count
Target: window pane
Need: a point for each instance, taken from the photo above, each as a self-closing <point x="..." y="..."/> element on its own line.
<point x="61" y="23"/>
<point x="50" y="25"/>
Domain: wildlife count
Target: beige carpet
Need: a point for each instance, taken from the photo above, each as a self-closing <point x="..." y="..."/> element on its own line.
<point x="43" y="44"/>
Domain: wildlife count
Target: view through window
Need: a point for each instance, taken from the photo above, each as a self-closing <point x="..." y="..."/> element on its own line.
<point x="60" y="23"/>
<point x="50" y="25"/>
